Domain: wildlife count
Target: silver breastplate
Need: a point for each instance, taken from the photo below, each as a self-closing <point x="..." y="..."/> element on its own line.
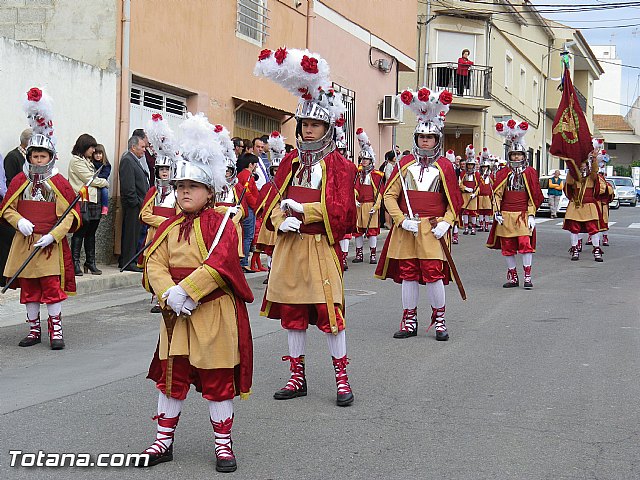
<point x="168" y="201"/>
<point x="42" y="194"/>
<point x="469" y="178"/>
<point x="316" y="178"/>
<point x="367" y="179"/>
<point x="226" y="195"/>
<point x="430" y="181"/>
<point x="515" y="183"/>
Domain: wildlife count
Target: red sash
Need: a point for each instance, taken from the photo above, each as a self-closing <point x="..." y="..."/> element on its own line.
<point x="365" y="193"/>
<point x="515" y="201"/>
<point x="41" y="214"/>
<point x="165" y="212"/>
<point x="307" y="195"/>
<point x="469" y="183"/>
<point x="425" y="204"/>
<point x="180" y="273"/>
<point x="588" y="196"/>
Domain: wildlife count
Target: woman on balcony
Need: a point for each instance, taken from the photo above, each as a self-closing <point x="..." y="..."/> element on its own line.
<point x="462" y="72"/>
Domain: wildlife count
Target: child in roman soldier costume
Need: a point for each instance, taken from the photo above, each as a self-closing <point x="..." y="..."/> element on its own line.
<point x="160" y="201"/>
<point x="485" y="193"/>
<point x="312" y="209"/>
<point x="587" y="191"/>
<point x="603" y="159"/>
<point x="267" y="238"/>
<point x="423" y="185"/>
<point x="470" y="186"/>
<point x="35" y="201"/>
<point x="451" y="156"/>
<point x="368" y="186"/>
<point x="517" y="197"/>
<point x="192" y="265"/>
<point x="341" y="147"/>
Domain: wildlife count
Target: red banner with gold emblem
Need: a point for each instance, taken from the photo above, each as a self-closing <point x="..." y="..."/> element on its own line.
<point x="571" y="138"/>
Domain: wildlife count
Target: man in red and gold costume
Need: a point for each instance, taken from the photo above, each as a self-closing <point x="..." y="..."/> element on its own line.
<point x="192" y="265"/>
<point x="422" y="185"/>
<point x="470" y="187"/>
<point x="588" y="211"/>
<point x="34" y="203"/>
<point x="485" y="193"/>
<point x="517" y="197"/>
<point x="312" y="209"/>
<point x="368" y="186"/>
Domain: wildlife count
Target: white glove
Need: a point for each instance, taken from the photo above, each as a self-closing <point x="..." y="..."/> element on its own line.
<point x="292" y="205"/>
<point x="473" y="195"/>
<point x="189" y="306"/>
<point x="468" y="189"/>
<point x="440" y="229"/>
<point x="290" y="224"/>
<point x="531" y="222"/>
<point x="372" y="211"/>
<point x="25" y="227"/>
<point x="358" y="204"/>
<point x="498" y="217"/>
<point x="45" y="241"/>
<point x="175" y="298"/>
<point x="233" y="210"/>
<point x="410" y="225"/>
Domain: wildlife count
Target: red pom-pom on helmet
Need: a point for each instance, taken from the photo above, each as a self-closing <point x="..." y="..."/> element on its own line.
<point x="264" y="54"/>
<point x="34" y="94"/>
<point x="280" y="55"/>
<point x="445" y="97"/>
<point x="423" y="94"/>
<point x="499" y="126"/>
<point x="524" y="125"/>
<point x="309" y="64"/>
<point x="340" y="122"/>
<point x="406" y="97"/>
<point x="156" y="117"/>
<point x="275" y="134"/>
<point x="217" y="128"/>
<point x="359" y="131"/>
<point x="450" y="151"/>
<point x="511" y="123"/>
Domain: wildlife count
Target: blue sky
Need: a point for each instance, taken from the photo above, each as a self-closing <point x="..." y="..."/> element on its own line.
<point x="591" y="23"/>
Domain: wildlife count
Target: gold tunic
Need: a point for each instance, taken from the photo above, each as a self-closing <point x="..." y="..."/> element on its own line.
<point x="21" y="247"/>
<point x="586" y="211"/>
<point x="514" y="225"/>
<point x="209" y="337"/>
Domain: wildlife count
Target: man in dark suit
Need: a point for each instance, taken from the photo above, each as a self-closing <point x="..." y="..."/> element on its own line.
<point x="134" y="185"/>
<point x="14" y="160"/>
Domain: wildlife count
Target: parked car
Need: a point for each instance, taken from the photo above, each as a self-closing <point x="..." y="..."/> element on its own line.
<point x="637" y="194"/>
<point x="615" y="202"/>
<point x="544" y="206"/>
<point x="625" y="191"/>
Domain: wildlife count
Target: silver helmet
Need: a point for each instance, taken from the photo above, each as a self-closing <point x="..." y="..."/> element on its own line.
<point x="311" y="110"/>
<point x="520" y="163"/>
<point x="471" y="164"/>
<point x="162" y="161"/>
<point x="195" y="171"/>
<point x="427" y="128"/>
<point x="232" y="172"/>
<point x="39" y="173"/>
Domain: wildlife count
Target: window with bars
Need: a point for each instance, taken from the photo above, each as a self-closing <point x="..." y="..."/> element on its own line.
<point x="145" y="101"/>
<point x="252" y="21"/>
<point x="349" y="100"/>
<point x="250" y="124"/>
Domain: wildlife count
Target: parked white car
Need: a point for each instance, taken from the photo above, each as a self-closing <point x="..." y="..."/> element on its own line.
<point x="625" y="190"/>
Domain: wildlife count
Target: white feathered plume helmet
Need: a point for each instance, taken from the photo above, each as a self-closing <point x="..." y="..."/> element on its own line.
<point x="202" y="149"/>
<point x="276" y="148"/>
<point x="39" y="109"/>
<point x="601" y="154"/>
<point x="513" y="133"/>
<point x="429" y="106"/>
<point x="341" y="138"/>
<point x="162" y="139"/>
<point x="222" y="135"/>
<point x="366" y="150"/>
<point x="451" y="156"/>
<point x="470" y="153"/>
<point x="304" y="74"/>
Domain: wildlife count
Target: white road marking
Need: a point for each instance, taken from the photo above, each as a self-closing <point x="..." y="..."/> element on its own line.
<point x="542" y="220"/>
<point x="634" y="225"/>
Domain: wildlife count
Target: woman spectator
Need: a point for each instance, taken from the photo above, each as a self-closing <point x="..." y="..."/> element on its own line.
<point x="246" y="166"/>
<point x="462" y="72"/>
<point x="81" y="170"/>
<point x="100" y="159"/>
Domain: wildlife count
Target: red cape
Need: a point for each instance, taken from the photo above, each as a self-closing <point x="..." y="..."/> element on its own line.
<point x="64" y="191"/>
<point x="532" y="185"/>
<point x="337" y="192"/>
<point x="233" y="283"/>
<point x="377" y="181"/>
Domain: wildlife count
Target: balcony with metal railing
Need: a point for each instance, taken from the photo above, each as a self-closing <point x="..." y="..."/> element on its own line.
<point x="475" y="87"/>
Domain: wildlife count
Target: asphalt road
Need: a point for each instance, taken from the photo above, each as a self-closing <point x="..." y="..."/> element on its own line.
<point x="539" y="384"/>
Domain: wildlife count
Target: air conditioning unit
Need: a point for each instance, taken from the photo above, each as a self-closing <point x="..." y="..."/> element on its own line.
<point x="390" y="110"/>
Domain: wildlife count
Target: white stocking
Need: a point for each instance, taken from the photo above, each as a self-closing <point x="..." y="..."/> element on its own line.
<point x="269" y="261"/>
<point x="344" y="245"/>
<point x="297" y="341"/>
<point x="595" y="239"/>
<point x="337" y="344"/>
<point x="574" y="239"/>
<point x="409" y="294"/>
<point x="33" y="310"/>
<point x="465" y="220"/>
<point x="373" y="242"/>
<point x="171" y="407"/>
<point x="54" y="309"/>
<point x="527" y="258"/>
<point x="359" y="241"/>
<point x="511" y="262"/>
<point x="455" y="228"/>
<point x="219" y="411"/>
<point x="435" y="292"/>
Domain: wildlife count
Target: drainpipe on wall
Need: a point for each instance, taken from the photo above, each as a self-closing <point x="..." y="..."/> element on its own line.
<point x="309" y="23"/>
<point x="426" y="42"/>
